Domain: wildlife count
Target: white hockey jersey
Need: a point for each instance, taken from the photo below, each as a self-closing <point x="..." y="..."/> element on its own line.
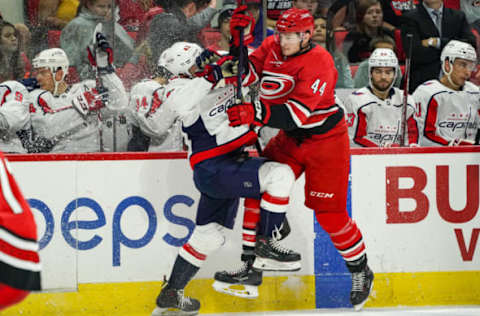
<point x="161" y="124"/>
<point x="14" y="110"/>
<point x="373" y="122"/>
<point x="447" y="116"/>
<point x="56" y="118"/>
<point x="204" y="118"/>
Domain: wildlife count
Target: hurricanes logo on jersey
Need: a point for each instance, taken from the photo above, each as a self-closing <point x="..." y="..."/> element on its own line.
<point x="274" y="86"/>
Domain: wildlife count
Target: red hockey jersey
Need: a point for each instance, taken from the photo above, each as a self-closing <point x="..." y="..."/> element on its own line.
<point x="298" y="90"/>
<point x="19" y="260"/>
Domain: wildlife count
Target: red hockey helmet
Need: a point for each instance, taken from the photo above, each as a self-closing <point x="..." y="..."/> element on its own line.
<point x="295" y="20"/>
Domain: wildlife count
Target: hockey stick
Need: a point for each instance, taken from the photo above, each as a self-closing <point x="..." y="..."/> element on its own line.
<point x="239" y="93"/>
<point x="406" y="85"/>
<point x="241" y="57"/>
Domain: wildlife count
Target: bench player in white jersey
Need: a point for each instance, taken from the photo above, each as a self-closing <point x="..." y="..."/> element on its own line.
<point x="222" y="171"/>
<point x="154" y="127"/>
<point x="448" y="110"/>
<point x="374" y="113"/>
<point x="67" y="118"/>
<point x="14" y="116"/>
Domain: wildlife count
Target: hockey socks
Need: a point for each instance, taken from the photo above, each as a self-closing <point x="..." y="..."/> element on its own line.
<point x="344" y="233"/>
<point x="251" y="217"/>
<point x="348" y="240"/>
<point x="182" y="272"/>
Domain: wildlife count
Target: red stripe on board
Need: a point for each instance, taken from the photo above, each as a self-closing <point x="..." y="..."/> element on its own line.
<point x="193" y="252"/>
<point x="414" y="150"/>
<point x="183" y="154"/>
<point x="12" y="251"/>
<point x="98" y="156"/>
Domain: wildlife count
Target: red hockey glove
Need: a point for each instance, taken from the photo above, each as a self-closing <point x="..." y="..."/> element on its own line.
<point x="248" y="113"/>
<point x="241" y="21"/>
<point x="86" y="101"/>
<point x="226" y="68"/>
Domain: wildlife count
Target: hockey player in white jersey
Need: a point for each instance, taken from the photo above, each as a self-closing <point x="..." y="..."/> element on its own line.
<point x="222" y="172"/>
<point x="449" y="108"/>
<point x="67" y="118"/>
<point x="14" y="116"/>
<point x="374" y="113"/>
<point x="154" y="127"/>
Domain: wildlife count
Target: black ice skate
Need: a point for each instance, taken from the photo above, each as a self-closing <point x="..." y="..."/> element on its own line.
<point x="172" y="302"/>
<point x="243" y="282"/>
<point x="362" y="283"/>
<point x="271" y="256"/>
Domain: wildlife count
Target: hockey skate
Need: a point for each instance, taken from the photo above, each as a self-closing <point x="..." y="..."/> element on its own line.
<point x="362" y="283"/>
<point x="243" y="282"/>
<point x="271" y="256"/>
<point x="172" y="302"/>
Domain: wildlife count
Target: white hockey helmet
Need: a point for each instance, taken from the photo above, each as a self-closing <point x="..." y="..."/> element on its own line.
<point x="383" y="57"/>
<point x="457" y="49"/>
<point x="53" y="59"/>
<point x="179" y="58"/>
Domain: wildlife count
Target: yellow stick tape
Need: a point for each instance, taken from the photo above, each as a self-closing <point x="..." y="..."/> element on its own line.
<point x="276" y="293"/>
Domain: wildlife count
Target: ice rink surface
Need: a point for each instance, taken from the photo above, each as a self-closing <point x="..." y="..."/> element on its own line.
<point x="436" y="311"/>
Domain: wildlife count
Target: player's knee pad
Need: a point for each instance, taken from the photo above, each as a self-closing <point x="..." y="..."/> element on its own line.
<point x="207" y="238"/>
<point x="276" y="179"/>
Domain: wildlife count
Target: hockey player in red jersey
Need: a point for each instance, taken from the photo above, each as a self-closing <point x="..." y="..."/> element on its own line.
<point x="297" y="81"/>
<point x="19" y="260"/>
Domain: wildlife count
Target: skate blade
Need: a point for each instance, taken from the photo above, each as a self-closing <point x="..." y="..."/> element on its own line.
<point x="359" y="307"/>
<point x="158" y="311"/>
<point x="239" y="290"/>
<point x="264" y="264"/>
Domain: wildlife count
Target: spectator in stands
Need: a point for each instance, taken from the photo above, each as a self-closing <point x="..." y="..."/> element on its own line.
<point x="374" y="112"/>
<point x="274" y="9"/>
<point x="471" y="8"/>
<point x="55" y="14"/>
<point x="132" y="13"/>
<point x="362" y="75"/>
<point x="341" y="63"/>
<point x="222" y="22"/>
<point x="181" y="21"/>
<point x="14" y="64"/>
<point x="393" y="10"/>
<point x="49" y="15"/>
<point x="369" y="25"/>
<point x="310" y="5"/>
<point x="432" y="26"/>
<point x="77" y="35"/>
<point x="254" y="7"/>
<point x="449" y="108"/>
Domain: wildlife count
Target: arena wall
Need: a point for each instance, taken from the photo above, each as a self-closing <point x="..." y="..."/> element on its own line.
<point x="110" y="226"/>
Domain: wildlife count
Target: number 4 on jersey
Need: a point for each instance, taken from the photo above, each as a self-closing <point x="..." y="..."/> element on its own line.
<point x="315" y="86"/>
